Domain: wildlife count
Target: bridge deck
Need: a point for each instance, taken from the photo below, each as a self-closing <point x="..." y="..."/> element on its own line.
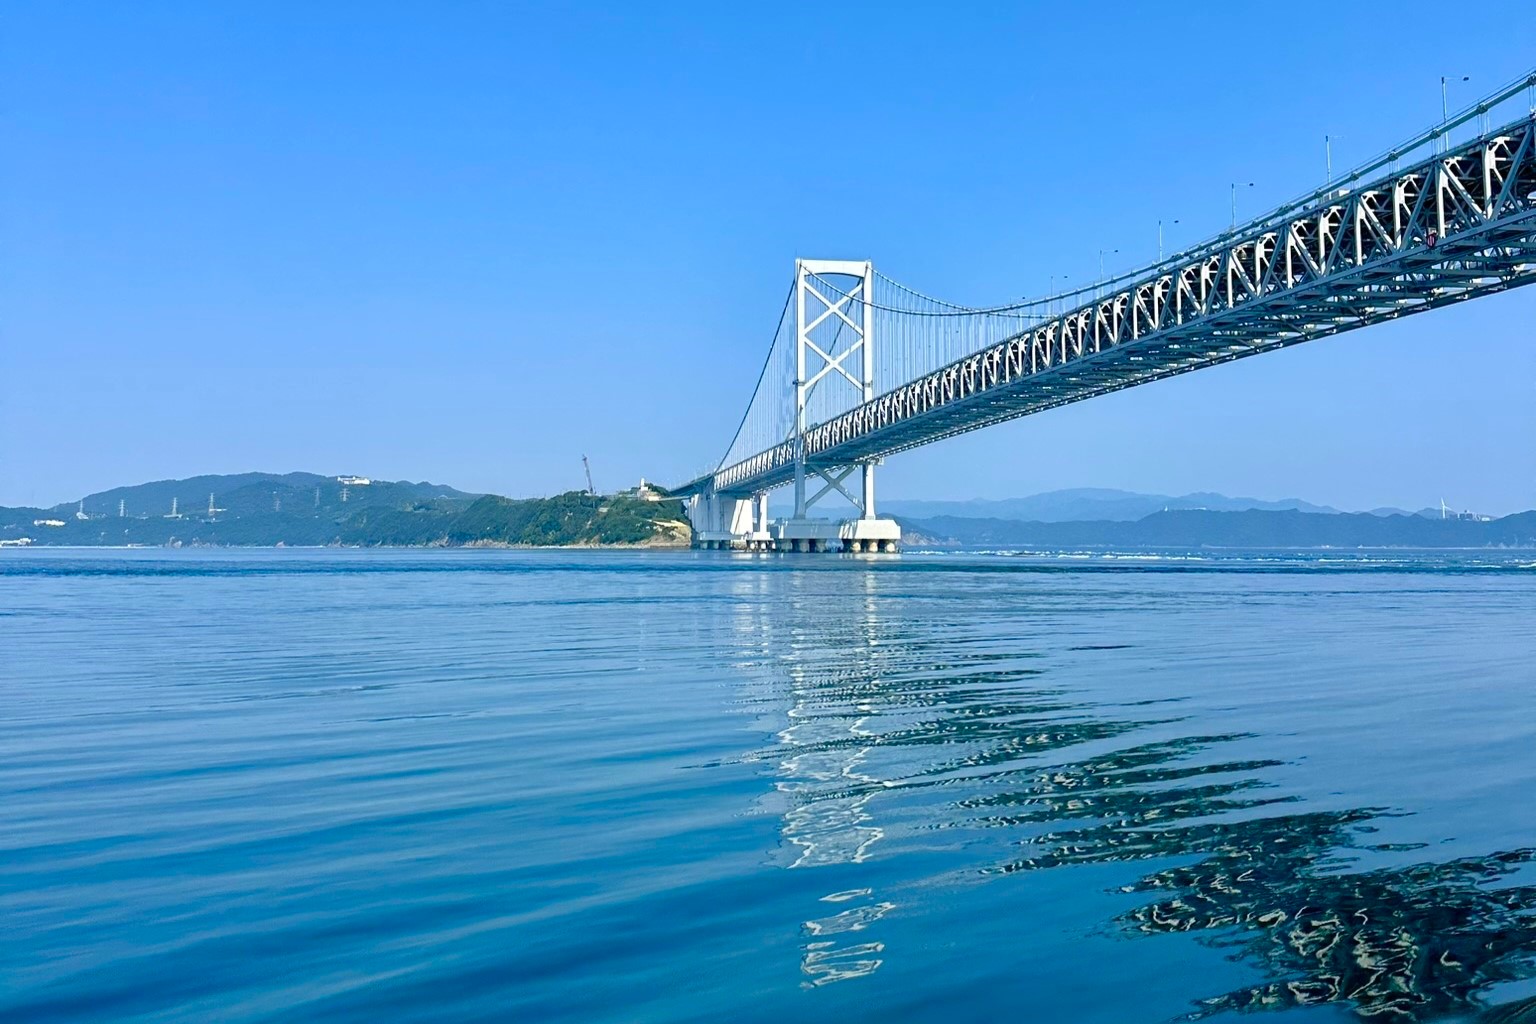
<point x="1451" y="228"/>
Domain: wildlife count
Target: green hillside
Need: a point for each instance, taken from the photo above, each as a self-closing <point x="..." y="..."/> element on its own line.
<point x="572" y="518"/>
<point x="304" y="509"/>
<point x="246" y="494"/>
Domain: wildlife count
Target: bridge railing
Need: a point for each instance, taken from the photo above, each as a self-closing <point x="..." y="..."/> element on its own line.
<point x="1420" y="146"/>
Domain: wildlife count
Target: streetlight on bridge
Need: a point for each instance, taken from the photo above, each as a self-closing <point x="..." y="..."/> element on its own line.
<point x="1328" y="154"/>
<point x="1445" y="113"/>
<point x="1101" y="267"/>
<point x="1234" y="203"/>
<point x="1160" y="238"/>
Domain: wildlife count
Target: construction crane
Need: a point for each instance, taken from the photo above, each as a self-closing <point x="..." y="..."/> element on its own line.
<point x="588" y="467"/>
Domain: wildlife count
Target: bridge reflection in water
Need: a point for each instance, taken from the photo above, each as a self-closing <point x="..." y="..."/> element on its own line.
<point x="909" y="720"/>
<point x="1414" y="942"/>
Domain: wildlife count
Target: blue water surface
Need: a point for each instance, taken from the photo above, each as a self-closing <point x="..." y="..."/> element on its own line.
<point x="679" y="786"/>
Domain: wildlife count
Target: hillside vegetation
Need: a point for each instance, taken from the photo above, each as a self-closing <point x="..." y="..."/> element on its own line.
<point x="571" y="518"/>
<point x="261" y="509"/>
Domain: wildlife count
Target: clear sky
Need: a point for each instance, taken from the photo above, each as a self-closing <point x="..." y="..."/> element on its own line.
<point x="472" y="242"/>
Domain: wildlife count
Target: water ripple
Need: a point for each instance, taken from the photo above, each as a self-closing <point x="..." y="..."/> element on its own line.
<point x="598" y="786"/>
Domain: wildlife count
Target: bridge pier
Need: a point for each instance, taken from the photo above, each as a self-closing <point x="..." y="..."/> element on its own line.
<point x="807" y="536"/>
<point x="803" y="534"/>
<point x="720" y="522"/>
<point x="727" y="523"/>
<point x="869" y="535"/>
<point x="850" y="536"/>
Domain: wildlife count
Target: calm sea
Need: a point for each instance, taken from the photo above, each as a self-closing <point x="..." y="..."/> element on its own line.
<point x="599" y="786"/>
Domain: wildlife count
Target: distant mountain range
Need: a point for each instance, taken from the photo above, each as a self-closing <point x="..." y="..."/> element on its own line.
<point x="1084" y="504"/>
<point x="1248" y="528"/>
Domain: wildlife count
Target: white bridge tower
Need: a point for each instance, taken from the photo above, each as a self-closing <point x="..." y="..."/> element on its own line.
<point x="816" y="363"/>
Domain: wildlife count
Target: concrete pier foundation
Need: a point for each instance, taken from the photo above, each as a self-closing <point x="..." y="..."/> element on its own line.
<point x="723" y="523"/>
<point x="808" y="536"/>
<point x="802" y="534"/>
<point x="870" y="536"/>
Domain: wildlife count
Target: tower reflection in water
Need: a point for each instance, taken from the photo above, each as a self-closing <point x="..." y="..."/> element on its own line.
<point x="883" y="720"/>
<point x="902" y="719"/>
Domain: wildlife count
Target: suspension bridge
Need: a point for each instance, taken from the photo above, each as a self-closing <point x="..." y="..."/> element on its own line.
<point x="862" y="367"/>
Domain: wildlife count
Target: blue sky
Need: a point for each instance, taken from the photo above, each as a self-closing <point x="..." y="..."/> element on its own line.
<point x="471" y="243"/>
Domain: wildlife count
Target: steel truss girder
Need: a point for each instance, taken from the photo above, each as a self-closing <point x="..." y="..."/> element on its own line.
<point x="1457" y="226"/>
